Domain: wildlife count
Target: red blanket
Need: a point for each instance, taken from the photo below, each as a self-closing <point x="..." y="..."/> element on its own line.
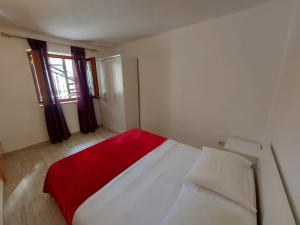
<point x="73" y="179"/>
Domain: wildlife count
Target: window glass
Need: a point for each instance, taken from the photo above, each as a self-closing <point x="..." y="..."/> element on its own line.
<point x="62" y="71"/>
<point x="90" y="78"/>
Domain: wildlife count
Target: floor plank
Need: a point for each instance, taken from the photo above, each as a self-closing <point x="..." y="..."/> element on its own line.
<point x="24" y="201"/>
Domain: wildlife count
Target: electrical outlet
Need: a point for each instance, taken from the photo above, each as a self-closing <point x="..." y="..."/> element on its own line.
<point x="221" y="143"/>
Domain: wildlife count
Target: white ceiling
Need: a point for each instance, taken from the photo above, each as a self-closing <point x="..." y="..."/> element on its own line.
<point x="112" y="21"/>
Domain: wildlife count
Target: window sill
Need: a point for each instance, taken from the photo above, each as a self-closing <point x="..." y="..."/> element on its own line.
<point x="63" y="102"/>
<point x="68" y="102"/>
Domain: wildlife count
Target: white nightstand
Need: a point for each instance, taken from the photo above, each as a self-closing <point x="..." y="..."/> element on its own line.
<point x="248" y="149"/>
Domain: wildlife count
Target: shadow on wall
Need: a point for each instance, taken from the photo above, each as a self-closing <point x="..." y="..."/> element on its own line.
<point x="158" y="89"/>
<point x="199" y="11"/>
<point x="215" y="8"/>
<point x="6" y="21"/>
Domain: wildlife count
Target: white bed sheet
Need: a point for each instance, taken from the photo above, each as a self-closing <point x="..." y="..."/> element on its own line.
<point x="144" y="193"/>
<point x="204" y="207"/>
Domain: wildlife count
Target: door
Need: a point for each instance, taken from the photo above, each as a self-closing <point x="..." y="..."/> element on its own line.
<point x="111" y="93"/>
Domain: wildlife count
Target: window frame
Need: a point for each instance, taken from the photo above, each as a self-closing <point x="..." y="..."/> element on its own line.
<point x="39" y="81"/>
<point x="95" y="76"/>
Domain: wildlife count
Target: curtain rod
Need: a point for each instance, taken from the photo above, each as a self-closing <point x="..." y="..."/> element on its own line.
<point x="57" y="43"/>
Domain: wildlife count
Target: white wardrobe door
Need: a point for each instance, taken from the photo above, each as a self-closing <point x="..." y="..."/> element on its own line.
<point x="112" y="99"/>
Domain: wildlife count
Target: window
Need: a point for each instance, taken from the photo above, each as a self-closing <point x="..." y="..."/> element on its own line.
<point x="63" y="77"/>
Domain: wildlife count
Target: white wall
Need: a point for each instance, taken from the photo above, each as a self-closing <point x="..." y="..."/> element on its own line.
<point x="22" y="120"/>
<point x="284" y="128"/>
<point x="202" y="83"/>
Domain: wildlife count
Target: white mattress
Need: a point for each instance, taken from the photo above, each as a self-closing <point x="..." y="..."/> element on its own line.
<point x="144" y="193"/>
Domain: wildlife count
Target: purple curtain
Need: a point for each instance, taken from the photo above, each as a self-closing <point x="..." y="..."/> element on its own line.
<point x="55" y="120"/>
<point x="85" y="105"/>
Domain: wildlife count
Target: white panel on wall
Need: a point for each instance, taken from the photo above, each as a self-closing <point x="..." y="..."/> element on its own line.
<point x="284" y="125"/>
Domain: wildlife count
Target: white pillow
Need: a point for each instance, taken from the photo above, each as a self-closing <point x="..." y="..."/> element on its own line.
<point x="225" y="173"/>
<point x="204" y="207"/>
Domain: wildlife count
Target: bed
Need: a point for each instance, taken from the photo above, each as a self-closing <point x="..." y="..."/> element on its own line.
<point x="73" y="179"/>
<point x="137" y="178"/>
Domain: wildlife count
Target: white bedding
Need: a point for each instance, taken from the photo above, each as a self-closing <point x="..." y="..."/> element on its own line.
<point x="227" y="174"/>
<point x="206" y="208"/>
<point x="144" y="193"/>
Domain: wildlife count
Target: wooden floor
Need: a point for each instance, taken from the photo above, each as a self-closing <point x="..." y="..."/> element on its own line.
<point x="24" y="200"/>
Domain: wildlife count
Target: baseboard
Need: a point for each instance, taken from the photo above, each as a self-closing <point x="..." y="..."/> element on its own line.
<point x="1" y="202"/>
<point x="40" y="144"/>
<point x="43" y="143"/>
